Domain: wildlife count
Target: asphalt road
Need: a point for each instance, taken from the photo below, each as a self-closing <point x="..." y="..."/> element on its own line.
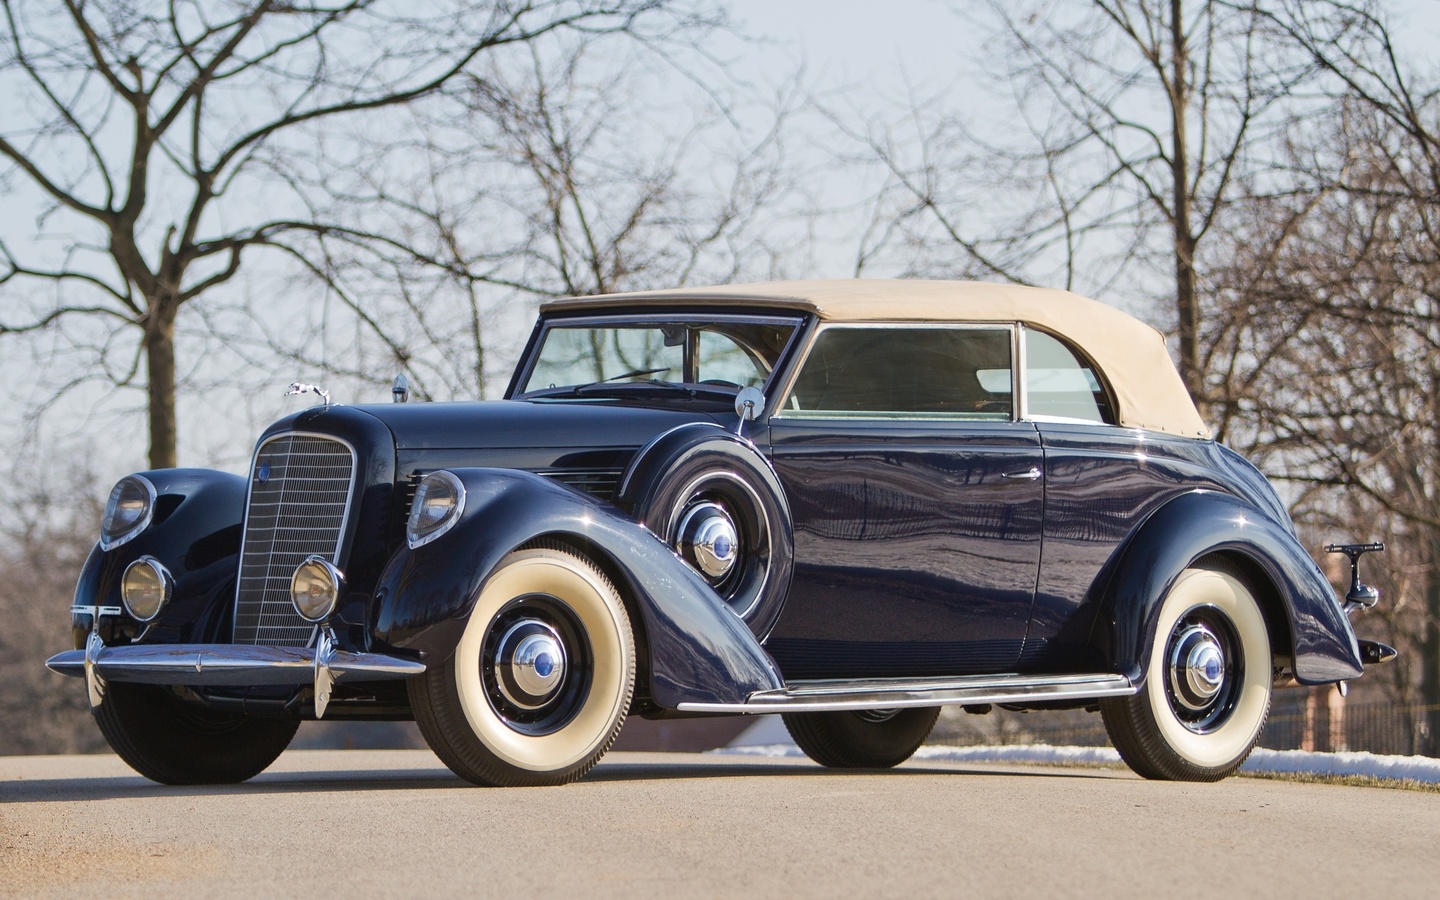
<point x="396" y="823"/>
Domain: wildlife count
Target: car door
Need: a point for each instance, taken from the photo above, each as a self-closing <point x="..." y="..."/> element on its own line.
<point x="1101" y="482"/>
<point x="917" y="502"/>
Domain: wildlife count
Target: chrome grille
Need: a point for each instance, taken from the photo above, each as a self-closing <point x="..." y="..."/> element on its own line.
<point x="300" y="488"/>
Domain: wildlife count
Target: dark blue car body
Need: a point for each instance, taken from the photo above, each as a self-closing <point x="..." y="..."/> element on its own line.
<point x="923" y="559"/>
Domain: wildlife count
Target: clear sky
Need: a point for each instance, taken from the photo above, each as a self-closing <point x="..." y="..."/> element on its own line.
<point x="881" y="44"/>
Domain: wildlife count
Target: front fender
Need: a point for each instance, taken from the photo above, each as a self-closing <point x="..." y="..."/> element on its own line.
<point x="195" y="533"/>
<point x="1200" y="523"/>
<point x="698" y="651"/>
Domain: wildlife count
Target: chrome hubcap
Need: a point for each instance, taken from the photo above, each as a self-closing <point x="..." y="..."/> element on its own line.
<point x="530" y="663"/>
<point x="708" y="540"/>
<point x="1204" y="667"/>
<point x="1197" y="667"/>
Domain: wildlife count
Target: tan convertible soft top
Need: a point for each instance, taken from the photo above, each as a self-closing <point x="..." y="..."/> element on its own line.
<point x="1132" y="355"/>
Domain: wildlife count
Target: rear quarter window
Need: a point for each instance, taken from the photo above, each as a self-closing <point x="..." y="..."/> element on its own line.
<point x="1061" y="384"/>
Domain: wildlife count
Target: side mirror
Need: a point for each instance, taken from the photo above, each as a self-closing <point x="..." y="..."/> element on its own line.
<point x="749" y="403"/>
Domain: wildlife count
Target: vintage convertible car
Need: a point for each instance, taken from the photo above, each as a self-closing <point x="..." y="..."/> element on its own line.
<point x="847" y="502"/>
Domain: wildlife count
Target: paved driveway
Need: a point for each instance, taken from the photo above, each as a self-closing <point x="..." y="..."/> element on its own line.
<point x="396" y="823"/>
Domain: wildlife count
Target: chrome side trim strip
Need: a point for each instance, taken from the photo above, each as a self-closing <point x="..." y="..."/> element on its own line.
<point x="894" y="693"/>
<point x="229" y="665"/>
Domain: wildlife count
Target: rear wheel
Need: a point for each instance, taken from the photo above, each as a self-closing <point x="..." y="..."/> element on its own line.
<point x="861" y="739"/>
<point x="1207" y="683"/>
<point x="538" y="688"/>
<point x="172" y="742"/>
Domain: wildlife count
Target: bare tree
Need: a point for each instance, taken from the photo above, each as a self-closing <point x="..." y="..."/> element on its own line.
<point x="1335" y="333"/>
<point x="48" y="529"/>
<point x="167" y="144"/>
<point x="1136" y="122"/>
<point x="577" y="170"/>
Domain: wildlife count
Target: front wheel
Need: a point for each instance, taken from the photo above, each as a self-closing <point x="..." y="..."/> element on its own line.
<point x="172" y="742"/>
<point x="539" y="686"/>
<point x="862" y="739"/>
<point x="1207" y="684"/>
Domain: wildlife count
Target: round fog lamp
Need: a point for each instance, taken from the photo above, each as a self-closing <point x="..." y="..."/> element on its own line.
<point x="145" y="588"/>
<point x="315" y="589"/>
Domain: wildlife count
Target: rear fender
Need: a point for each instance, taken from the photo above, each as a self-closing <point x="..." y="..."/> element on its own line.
<point x="698" y="651"/>
<point x="1200" y="523"/>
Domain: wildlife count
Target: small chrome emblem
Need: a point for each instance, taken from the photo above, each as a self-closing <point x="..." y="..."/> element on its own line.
<point x="262" y="473"/>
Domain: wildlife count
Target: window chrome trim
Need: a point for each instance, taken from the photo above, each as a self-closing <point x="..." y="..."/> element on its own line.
<point x="784" y="413"/>
<point x="245" y="530"/>
<point x="795" y="319"/>
<point x="1020" y="374"/>
<point x="1084" y="360"/>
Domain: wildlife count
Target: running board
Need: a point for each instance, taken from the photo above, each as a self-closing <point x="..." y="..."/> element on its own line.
<point x="834" y="695"/>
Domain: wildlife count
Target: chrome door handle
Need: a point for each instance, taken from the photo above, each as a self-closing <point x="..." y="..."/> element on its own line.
<point x="1031" y="474"/>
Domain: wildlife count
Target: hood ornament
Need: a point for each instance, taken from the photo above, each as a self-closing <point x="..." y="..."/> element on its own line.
<point x="298" y="388"/>
<point x="401" y="391"/>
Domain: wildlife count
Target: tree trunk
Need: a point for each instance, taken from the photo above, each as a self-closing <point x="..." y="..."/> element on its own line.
<point x="160" y="367"/>
<point x="1186" y="309"/>
<point x="1428" y="741"/>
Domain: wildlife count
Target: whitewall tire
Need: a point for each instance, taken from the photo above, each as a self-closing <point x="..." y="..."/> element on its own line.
<point x="1207" y="683"/>
<point x="539" y="686"/>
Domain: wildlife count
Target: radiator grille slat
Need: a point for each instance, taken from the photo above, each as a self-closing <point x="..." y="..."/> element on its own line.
<point x="300" y="510"/>
<point x="602" y="484"/>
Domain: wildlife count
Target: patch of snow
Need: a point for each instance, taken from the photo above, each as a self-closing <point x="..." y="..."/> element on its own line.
<point x="770" y="750"/>
<point x="1373" y="765"/>
<point x="1022" y="753"/>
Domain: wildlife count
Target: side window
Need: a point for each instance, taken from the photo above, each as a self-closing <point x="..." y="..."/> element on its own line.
<point x="1059" y="385"/>
<point x="721" y="359"/>
<point x="947" y="373"/>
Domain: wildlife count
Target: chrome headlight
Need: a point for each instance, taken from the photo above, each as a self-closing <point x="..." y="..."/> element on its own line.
<point x="145" y="588"/>
<point x="127" y="512"/>
<point x="315" y="589"/>
<point x="439" y="501"/>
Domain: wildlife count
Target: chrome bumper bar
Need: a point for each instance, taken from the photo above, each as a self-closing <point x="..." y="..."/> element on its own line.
<point x="229" y="665"/>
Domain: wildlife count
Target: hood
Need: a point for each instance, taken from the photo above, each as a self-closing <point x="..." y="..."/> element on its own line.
<point x="525" y="424"/>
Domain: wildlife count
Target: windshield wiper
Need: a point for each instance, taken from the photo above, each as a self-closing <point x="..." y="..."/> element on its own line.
<point x="632" y="374"/>
<point x="597" y="387"/>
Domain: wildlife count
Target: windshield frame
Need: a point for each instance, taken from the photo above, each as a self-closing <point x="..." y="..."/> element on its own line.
<point x="797" y="322"/>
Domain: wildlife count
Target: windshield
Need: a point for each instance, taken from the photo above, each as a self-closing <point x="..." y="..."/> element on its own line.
<point x="726" y="354"/>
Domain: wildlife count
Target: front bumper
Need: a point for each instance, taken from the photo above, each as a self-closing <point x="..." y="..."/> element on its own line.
<point x="228" y="665"/>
